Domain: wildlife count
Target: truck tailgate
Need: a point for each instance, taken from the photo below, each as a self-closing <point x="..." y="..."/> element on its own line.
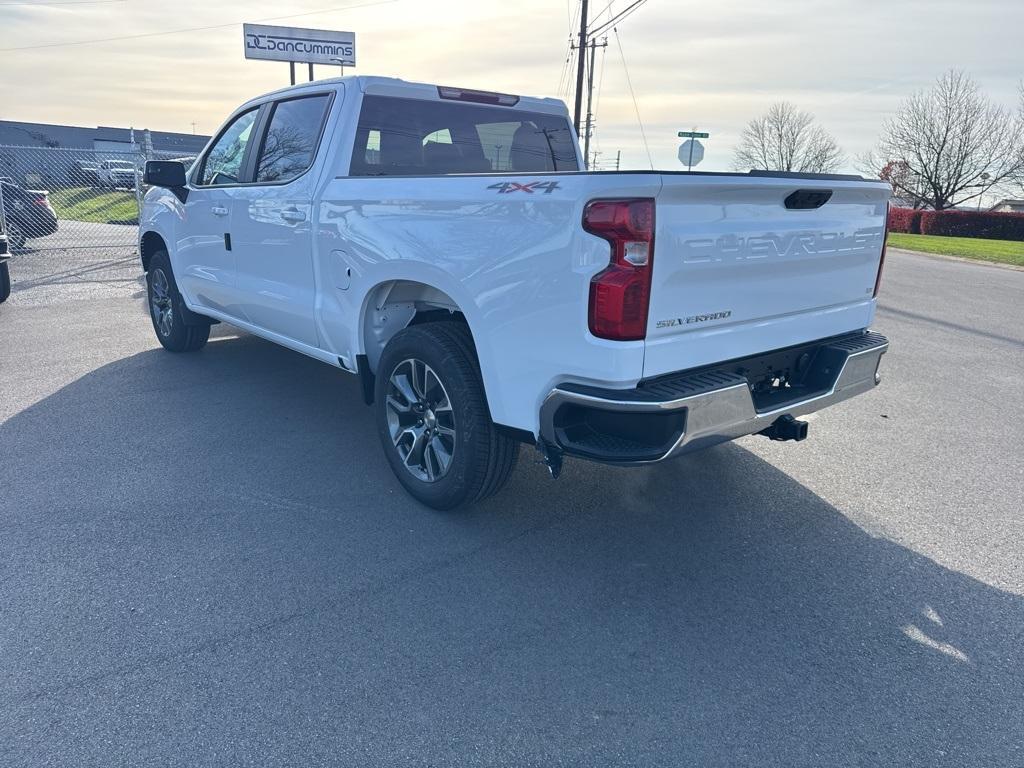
<point x="738" y="270"/>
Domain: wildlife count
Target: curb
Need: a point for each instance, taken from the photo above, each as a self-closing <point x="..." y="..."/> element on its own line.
<point x="961" y="259"/>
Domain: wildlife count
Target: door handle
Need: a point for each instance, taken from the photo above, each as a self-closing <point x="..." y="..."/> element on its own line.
<point x="219" y="210"/>
<point x="293" y="214"/>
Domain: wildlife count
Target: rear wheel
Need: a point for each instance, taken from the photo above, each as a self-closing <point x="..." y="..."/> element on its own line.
<point x="5" y="281"/>
<point x="166" y="309"/>
<point x="433" y="419"/>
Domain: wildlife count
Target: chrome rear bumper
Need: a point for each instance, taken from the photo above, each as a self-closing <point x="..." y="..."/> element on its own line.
<point x="672" y="415"/>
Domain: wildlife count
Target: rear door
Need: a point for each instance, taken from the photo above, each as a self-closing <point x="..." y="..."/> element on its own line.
<point x="747" y="264"/>
<point x="272" y="222"/>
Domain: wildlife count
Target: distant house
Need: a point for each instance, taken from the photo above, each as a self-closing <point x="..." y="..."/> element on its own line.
<point x="55" y="155"/>
<point x="1008" y="206"/>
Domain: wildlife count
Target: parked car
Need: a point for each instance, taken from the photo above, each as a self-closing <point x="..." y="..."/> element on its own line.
<point x="443" y="245"/>
<point x="116" y="174"/>
<point x="5" y="272"/>
<point x="28" y="214"/>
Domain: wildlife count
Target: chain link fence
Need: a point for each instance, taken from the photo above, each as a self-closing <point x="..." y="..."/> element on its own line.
<point x="71" y="217"/>
<point x="59" y="199"/>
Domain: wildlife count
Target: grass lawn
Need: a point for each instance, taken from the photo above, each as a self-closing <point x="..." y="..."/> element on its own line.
<point x="1003" y="251"/>
<point x="102" y="206"/>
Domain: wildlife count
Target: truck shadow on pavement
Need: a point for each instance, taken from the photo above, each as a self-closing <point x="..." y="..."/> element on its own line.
<point x="212" y="547"/>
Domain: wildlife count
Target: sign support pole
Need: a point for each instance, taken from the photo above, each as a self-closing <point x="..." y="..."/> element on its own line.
<point x="291" y="67"/>
<point x="311" y="71"/>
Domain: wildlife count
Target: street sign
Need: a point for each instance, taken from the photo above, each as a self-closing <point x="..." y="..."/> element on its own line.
<point x="694" y="135"/>
<point x="691" y="152"/>
<point x="312" y="46"/>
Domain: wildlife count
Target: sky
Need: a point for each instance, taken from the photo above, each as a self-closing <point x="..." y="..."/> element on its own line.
<point x="710" y="64"/>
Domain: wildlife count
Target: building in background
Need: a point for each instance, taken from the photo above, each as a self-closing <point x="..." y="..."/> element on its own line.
<point x="42" y="155"/>
<point x="1008" y="206"/>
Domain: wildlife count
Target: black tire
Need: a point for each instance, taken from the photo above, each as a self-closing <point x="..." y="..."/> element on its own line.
<point x="5" y="281"/>
<point x="15" y="236"/>
<point x="167" y="309"/>
<point x="481" y="458"/>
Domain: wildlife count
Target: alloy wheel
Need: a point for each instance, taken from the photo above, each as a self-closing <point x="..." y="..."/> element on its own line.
<point x="421" y="421"/>
<point x="160" y="302"/>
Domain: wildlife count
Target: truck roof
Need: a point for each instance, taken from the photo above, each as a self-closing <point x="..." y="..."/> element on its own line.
<point x="393" y="86"/>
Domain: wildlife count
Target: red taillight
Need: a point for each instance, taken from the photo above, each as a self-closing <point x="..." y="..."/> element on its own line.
<point x="881" y="259"/>
<point x="620" y="294"/>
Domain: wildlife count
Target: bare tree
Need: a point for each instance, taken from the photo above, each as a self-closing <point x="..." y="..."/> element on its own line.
<point x="950" y="143"/>
<point x="787" y="139"/>
<point x="906" y="186"/>
<point x="1020" y="121"/>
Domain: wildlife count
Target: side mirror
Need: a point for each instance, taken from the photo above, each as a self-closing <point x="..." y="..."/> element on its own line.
<point x="169" y="174"/>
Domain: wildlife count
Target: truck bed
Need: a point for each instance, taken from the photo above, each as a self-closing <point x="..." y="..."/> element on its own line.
<point x="735" y="272"/>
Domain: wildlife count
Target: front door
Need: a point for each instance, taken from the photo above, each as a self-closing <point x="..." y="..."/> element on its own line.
<point x="272" y="223"/>
<point x="204" y="262"/>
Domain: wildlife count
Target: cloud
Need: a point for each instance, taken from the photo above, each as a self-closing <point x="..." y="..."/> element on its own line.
<point x="714" y="65"/>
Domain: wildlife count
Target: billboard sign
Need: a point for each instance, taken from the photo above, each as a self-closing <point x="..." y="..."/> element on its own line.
<point x="313" y="46"/>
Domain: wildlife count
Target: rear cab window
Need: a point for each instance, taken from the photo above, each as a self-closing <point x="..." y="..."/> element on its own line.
<point x="416" y="137"/>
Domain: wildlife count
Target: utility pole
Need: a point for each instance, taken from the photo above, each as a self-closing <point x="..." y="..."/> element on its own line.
<point x="590" y="99"/>
<point x="618" y="159"/>
<point x="581" y="46"/>
<point x="580" y="65"/>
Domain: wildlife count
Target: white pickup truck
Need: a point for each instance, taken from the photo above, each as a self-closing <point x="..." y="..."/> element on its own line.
<point x="116" y="174"/>
<point x="444" y="245"/>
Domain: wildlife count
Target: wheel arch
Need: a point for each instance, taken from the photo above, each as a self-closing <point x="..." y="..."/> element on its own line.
<point x="392" y="305"/>
<point x="150" y="243"/>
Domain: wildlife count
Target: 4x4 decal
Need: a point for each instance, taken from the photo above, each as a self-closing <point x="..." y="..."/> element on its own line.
<point x="505" y="187"/>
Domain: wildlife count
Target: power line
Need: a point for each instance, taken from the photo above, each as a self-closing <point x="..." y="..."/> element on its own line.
<point x="600" y="85"/>
<point x="636" y="106"/>
<point x="604" y="10"/>
<point x="587" y="36"/>
<point x="195" y="29"/>
<point x="574" y="17"/>
<point x="572" y="14"/>
<point x="621" y="16"/>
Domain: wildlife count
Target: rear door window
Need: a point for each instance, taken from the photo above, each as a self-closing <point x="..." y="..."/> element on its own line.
<point x="414" y="137"/>
<point x="293" y="133"/>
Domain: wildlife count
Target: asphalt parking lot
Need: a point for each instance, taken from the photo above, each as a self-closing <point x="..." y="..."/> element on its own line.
<point x="205" y="560"/>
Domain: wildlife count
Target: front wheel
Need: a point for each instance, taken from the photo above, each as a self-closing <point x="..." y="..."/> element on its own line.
<point x="166" y="309"/>
<point x="433" y="419"/>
